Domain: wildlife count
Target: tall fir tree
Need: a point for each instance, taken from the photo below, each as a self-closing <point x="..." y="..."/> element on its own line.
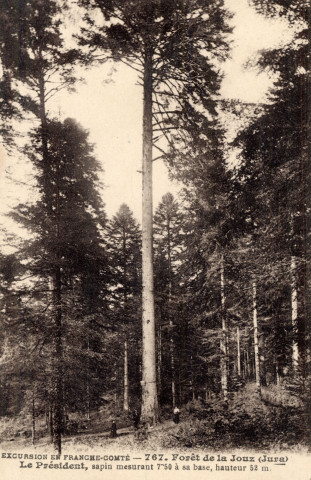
<point x="275" y="175"/>
<point x="124" y="240"/>
<point x="66" y="222"/>
<point x="166" y="42"/>
<point x="168" y="221"/>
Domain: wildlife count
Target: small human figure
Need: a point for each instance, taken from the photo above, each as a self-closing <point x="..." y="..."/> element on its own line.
<point x="176" y="413"/>
<point x="142" y="431"/>
<point x="136" y="418"/>
<point x="113" y="429"/>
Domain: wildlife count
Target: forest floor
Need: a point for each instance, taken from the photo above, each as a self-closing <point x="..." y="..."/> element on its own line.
<point x="270" y="422"/>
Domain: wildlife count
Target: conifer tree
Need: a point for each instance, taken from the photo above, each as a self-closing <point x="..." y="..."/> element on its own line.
<point x="32" y="50"/>
<point x="65" y="221"/>
<point x="275" y="175"/>
<point x="173" y="47"/>
<point x="168" y="221"/>
<point x="124" y="240"/>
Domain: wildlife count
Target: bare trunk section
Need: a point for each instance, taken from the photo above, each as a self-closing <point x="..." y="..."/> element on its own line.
<point x="256" y="348"/>
<point x="59" y="386"/>
<point x="87" y="376"/>
<point x="126" y="379"/>
<point x="238" y="351"/>
<point x="51" y="423"/>
<point x="294" y="305"/>
<point x="173" y="367"/>
<point x="125" y="358"/>
<point x="58" y="408"/>
<point x="33" y="418"/>
<point x="172" y="348"/>
<point x="244" y="365"/>
<point x="302" y="231"/>
<point x="56" y="411"/>
<point x="223" y="341"/>
<point x="262" y="360"/>
<point x="192" y="384"/>
<point x="159" y="357"/>
<point x="247" y="363"/>
<point x="149" y="386"/>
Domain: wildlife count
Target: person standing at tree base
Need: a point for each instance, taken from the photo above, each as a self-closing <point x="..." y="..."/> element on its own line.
<point x="113" y="429"/>
<point x="136" y="419"/>
<point x="176" y="413"/>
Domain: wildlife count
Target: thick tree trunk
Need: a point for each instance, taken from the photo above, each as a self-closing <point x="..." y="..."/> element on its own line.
<point x="223" y="341"/>
<point x="149" y="387"/>
<point x="126" y="379"/>
<point x="256" y="348"/>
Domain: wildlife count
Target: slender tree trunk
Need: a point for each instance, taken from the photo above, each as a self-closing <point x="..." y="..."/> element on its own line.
<point x="262" y="361"/>
<point x="57" y="421"/>
<point x="159" y="364"/>
<point x="33" y="418"/>
<point x="59" y="391"/>
<point x="294" y="304"/>
<point x="173" y="367"/>
<point x="58" y="409"/>
<point x="87" y="374"/>
<point x="181" y="395"/>
<point x="51" y="423"/>
<point x="223" y="341"/>
<point x="192" y="382"/>
<point x="248" y="369"/>
<point x="256" y="349"/>
<point x="172" y="348"/>
<point x="149" y="386"/>
<point x="126" y="378"/>
<point x="302" y="228"/>
<point x="277" y="372"/>
<point x="238" y="351"/>
<point x="125" y="358"/>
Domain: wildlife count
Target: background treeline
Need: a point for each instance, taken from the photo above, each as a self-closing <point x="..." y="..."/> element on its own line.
<point x="231" y="254"/>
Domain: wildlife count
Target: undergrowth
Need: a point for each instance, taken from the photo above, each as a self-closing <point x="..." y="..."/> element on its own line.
<point x="245" y="421"/>
<point x="272" y="422"/>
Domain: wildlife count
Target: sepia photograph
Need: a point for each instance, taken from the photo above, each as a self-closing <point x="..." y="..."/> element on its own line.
<point x="155" y="198"/>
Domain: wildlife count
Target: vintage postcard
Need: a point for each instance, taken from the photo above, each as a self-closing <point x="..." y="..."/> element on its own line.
<point x="155" y="239"/>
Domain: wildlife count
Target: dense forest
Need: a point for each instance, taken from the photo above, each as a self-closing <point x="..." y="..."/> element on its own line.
<point x="205" y="305"/>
